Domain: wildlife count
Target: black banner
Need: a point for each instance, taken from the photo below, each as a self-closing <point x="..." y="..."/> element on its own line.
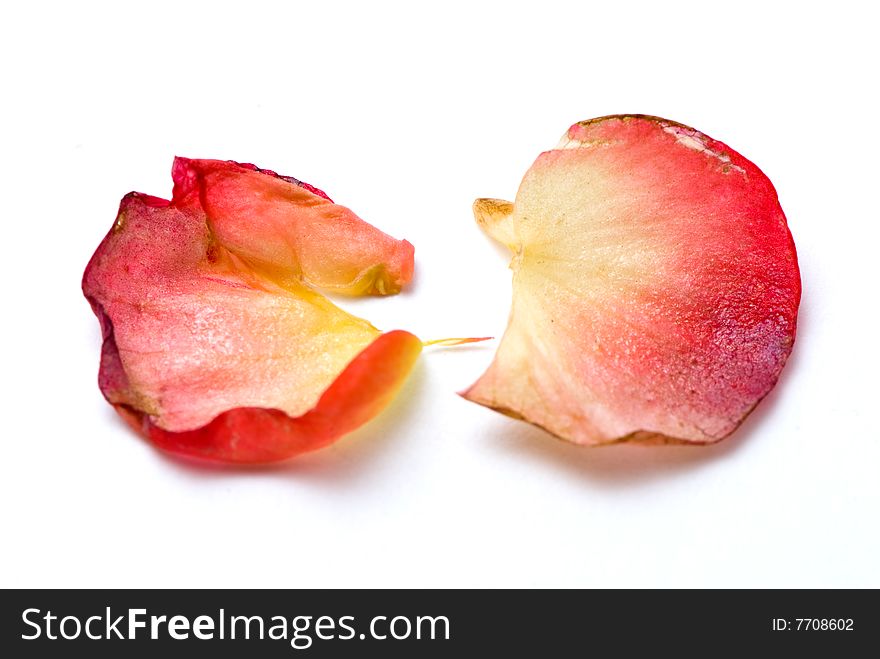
<point x="325" y="623"/>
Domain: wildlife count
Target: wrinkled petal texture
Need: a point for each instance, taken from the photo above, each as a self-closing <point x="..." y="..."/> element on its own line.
<point x="249" y="212"/>
<point x="656" y="287"/>
<point x="215" y="351"/>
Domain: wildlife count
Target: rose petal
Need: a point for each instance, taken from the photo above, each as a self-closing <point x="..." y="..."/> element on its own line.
<point x="284" y="229"/>
<point x="656" y="287"/>
<point x="212" y="353"/>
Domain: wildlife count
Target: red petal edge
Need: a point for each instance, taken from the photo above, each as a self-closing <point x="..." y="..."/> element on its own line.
<point x="254" y="435"/>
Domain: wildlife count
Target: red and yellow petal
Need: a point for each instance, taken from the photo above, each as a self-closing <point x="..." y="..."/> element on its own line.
<point x="656" y="286"/>
<point x="207" y="354"/>
<point x="261" y="435"/>
<point x="283" y="228"/>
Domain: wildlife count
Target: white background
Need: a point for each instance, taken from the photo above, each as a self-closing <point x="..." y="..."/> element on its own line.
<point x="407" y="112"/>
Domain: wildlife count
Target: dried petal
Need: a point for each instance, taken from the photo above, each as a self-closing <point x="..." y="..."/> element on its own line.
<point x="655" y="285"/>
<point x="218" y="349"/>
<point x="287" y="230"/>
